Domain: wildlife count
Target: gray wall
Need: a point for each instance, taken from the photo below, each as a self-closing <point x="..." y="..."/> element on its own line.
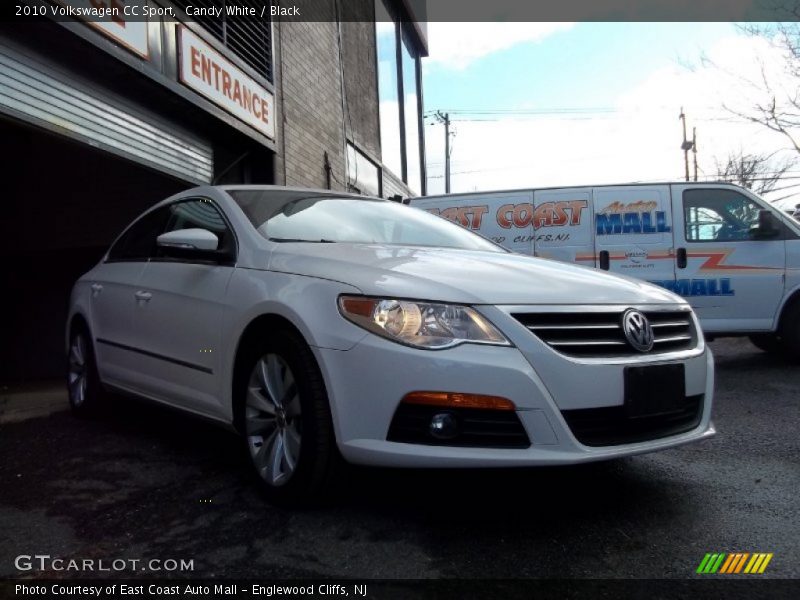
<point x="311" y="120"/>
<point x="360" y="75"/>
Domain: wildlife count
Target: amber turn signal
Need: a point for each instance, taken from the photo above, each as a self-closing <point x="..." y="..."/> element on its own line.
<point x="358" y="306"/>
<point x="457" y="400"/>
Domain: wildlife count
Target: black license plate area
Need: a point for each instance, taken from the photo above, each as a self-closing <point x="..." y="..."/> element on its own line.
<point x="654" y="390"/>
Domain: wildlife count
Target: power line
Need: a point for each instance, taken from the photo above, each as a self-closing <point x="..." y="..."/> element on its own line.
<point x="574" y="117"/>
<point x="785" y="187"/>
<point x="708" y="178"/>
<point x="560" y="110"/>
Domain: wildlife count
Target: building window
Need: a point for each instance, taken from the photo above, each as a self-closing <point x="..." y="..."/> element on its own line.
<point x="249" y="39"/>
<point x="364" y="176"/>
<point x="399" y="97"/>
<point x="411" y="111"/>
<point x="389" y="103"/>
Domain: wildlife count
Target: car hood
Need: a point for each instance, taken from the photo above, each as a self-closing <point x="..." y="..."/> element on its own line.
<point x="462" y="276"/>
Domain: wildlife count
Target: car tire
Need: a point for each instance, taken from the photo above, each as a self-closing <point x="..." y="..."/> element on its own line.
<point x="768" y="342"/>
<point x="84" y="390"/>
<point x="284" y="416"/>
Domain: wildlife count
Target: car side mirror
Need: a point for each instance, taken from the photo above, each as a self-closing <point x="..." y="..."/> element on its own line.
<point x="191" y="244"/>
<point x="188" y="239"/>
<point x="767" y="227"/>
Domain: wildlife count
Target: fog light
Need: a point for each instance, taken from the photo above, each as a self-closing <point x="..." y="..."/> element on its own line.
<point x="443" y="426"/>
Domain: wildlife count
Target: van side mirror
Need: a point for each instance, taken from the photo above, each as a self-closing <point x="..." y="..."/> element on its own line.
<point x="767" y="227"/>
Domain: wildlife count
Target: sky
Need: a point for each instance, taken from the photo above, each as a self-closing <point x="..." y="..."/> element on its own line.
<point x="552" y="104"/>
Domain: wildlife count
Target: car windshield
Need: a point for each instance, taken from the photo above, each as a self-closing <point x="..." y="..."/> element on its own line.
<point x="325" y="219"/>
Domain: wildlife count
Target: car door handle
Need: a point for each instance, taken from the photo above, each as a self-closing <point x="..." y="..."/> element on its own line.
<point x="681" y="258"/>
<point x="143" y="296"/>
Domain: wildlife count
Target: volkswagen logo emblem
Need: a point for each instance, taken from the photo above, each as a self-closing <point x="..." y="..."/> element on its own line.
<point x="637" y="330"/>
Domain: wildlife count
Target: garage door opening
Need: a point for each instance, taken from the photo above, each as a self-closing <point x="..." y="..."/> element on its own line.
<point x="63" y="203"/>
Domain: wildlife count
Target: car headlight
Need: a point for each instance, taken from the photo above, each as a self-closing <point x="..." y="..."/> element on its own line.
<point x="420" y="324"/>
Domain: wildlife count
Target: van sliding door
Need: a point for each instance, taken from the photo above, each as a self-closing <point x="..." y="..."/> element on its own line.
<point x="633" y="232"/>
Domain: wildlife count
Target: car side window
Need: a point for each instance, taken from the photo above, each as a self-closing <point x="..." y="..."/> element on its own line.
<point x="200" y="213"/>
<point x="139" y="241"/>
<point x="714" y="215"/>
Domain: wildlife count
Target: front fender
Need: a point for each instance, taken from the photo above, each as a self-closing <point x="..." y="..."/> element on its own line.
<point x="308" y="303"/>
<point x="79" y="305"/>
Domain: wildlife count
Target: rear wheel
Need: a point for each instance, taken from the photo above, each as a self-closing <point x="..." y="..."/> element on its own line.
<point x="84" y="389"/>
<point x="285" y="418"/>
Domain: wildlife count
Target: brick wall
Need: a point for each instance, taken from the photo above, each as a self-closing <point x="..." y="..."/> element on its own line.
<point x="361" y="80"/>
<point x="310" y="117"/>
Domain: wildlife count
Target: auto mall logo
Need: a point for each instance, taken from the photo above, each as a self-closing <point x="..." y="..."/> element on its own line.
<point x="637" y="255"/>
<point x="637" y="330"/>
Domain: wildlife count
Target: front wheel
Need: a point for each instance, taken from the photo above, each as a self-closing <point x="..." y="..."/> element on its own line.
<point x="285" y="419"/>
<point x="768" y="342"/>
<point x="790" y="332"/>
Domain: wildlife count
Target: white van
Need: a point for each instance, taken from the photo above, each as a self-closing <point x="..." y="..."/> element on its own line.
<point x="732" y="255"/>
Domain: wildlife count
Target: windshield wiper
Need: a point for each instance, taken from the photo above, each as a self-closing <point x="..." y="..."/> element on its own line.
<point x="282" y="240"/>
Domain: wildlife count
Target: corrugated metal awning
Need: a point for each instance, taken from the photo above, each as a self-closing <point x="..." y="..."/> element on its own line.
<point x="33" y="92"/>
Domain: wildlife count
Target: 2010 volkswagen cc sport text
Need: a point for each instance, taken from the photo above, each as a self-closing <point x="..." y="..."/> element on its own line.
<point x="323" y="326"/>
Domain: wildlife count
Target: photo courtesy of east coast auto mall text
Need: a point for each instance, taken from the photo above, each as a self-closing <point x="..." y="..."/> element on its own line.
<point x="399" y="299"/>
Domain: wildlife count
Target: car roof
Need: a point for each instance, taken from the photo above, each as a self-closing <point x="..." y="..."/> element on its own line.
<point x="293" y="192"/>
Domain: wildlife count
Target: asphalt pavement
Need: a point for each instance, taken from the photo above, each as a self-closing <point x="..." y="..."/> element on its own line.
<point x="145" y="482"/>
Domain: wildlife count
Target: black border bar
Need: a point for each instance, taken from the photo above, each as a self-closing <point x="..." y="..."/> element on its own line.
<point x="465" y="10"/>
<point x="730" y="588"/>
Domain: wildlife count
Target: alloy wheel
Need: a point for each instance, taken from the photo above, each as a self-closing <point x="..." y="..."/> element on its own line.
<point x="273" y="420"/>
<point x="77" y="373"/>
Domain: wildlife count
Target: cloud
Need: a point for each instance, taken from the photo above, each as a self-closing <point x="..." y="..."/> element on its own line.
<point x="730" y="81"/>
<point x="636" y="139"/>
<point x="457" y="45"/>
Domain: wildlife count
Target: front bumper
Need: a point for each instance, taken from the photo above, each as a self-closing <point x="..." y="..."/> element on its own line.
<point x="366" y="383"/>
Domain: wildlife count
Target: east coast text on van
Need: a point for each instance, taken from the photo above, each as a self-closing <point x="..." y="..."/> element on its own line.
<point x="520" y="215"/>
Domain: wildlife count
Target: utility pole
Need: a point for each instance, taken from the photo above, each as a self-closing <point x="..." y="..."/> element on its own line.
<point x="686" y="145"/>
<point x="694" y="150"/>
<point x="445" y="118"/>
<point x="447" y="153"/>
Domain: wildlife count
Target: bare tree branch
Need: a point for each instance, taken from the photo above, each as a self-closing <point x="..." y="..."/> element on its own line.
<point x="781" y="116"/>
<point x="757" y="172"/>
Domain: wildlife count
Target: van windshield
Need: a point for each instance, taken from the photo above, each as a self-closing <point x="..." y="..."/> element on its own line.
<point x="326" y="219"/>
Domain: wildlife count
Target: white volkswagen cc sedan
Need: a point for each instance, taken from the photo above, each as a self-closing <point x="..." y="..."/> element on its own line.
<point x="323" y="326"/>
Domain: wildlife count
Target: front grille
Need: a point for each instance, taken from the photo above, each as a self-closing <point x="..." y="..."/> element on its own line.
<point x="477" y="428"/>
<point x="599" y="334"/>
<point x="610" y="426"/>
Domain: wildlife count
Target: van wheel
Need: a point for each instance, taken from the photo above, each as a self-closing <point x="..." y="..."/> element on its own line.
<point x="790" y="332"/>
<point x="84" y="389"/>
<point x="768" y="342"/>
<point x="284" y="416"/>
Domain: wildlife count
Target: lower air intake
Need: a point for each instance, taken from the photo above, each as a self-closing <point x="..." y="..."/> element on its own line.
<point x="476" y="428"/>
<point x="611" y="426"/>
